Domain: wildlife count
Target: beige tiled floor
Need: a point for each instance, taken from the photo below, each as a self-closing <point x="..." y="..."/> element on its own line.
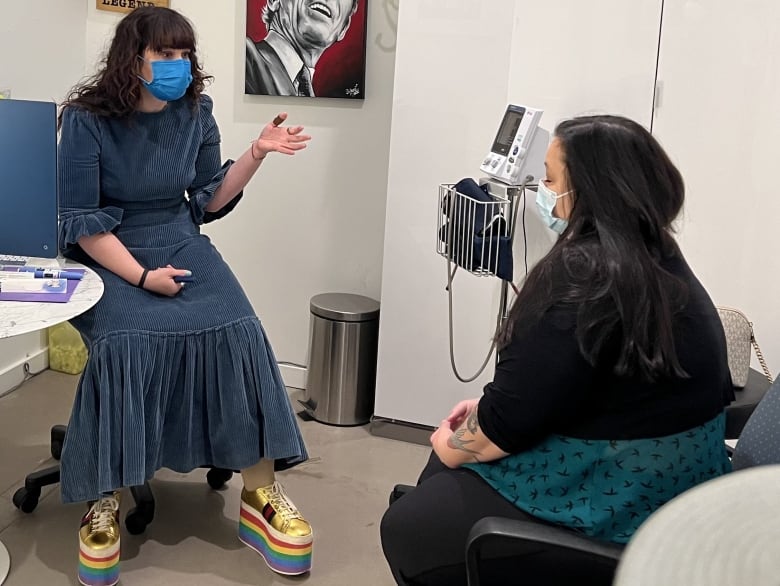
<point x="342" y="490"/>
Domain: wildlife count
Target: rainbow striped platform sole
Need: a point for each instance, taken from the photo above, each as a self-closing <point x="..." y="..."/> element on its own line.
<point x="282" y="553"/>
<point x="98" y="567"/>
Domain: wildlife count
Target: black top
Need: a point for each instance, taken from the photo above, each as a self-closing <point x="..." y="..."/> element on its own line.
<point x="544" y="385"/>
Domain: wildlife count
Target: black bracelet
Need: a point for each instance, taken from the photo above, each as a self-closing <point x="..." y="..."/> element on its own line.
<point x="143" y="279"/>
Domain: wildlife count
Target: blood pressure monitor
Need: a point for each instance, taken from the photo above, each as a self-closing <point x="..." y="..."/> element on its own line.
<point x="518" y="151"/>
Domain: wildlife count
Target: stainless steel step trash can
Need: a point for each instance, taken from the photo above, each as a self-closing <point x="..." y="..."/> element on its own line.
<point x="341" y="377"/>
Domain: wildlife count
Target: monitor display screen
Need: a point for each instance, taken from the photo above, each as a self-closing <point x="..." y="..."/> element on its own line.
<point x="508" y="130"/>
<point x="28" y="178"/>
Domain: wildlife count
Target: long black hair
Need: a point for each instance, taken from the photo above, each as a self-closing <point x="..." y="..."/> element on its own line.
<point x="115" y="90"/>
<point x="607" y="264"/>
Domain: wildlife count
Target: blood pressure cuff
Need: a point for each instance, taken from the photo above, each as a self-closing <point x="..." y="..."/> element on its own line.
<point x="479" y="240"/>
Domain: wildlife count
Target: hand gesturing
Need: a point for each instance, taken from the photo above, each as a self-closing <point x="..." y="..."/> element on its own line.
<point x="281" y="139"/>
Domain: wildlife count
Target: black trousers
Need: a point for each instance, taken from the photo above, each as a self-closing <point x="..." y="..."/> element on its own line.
<point x="424" y="535"/>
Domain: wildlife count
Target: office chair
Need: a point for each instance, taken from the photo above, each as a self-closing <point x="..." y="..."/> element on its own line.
<point x="593" y="562"/>
<point x="582" y="559"/>
<point x="752" y="418"/>
<point x="26" y="498"/>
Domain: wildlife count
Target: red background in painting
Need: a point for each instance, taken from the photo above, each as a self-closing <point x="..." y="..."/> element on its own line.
<point x="341" y="66"/>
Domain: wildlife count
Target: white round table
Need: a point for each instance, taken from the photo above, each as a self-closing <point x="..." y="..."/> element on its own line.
<point x="22" y="317"/>
<point x="723" y="532"/>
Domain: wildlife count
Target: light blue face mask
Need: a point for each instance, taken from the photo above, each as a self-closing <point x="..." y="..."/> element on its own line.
<point x="545" y="203"/>
<point x="170" y="79"/>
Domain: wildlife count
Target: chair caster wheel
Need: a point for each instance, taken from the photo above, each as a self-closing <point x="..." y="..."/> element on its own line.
<point x="217" y="477"/>
<point x="26" y="499"/>
<point x="138" y="518"/>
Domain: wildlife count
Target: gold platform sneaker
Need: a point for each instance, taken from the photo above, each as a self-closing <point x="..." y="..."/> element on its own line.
<point x="271" y="525"/>
<point x="99" y="543"/>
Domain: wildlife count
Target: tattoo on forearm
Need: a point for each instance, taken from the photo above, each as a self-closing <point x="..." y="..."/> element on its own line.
<point x="458" y="441"/>
<point x="472" y="423"/>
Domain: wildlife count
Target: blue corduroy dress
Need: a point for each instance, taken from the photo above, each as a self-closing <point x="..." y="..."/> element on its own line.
<point x="176" y="382"/>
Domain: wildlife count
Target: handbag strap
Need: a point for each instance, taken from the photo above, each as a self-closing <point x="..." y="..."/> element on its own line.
<point x="759" y="355"/>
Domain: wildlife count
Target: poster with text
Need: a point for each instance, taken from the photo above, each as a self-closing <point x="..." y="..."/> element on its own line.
<point x="128" y="5"/>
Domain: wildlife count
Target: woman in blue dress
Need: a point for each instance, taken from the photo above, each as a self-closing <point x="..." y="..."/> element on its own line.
<point x="180" y="374"/>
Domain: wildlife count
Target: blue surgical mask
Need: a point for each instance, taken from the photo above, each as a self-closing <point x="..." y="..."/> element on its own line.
<point x="545" y="203"/>
<point x="170" y="79"/>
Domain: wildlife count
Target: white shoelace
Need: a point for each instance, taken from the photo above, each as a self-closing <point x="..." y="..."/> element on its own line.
<point x="103" y="514"/>
<point x="281" y="504"/>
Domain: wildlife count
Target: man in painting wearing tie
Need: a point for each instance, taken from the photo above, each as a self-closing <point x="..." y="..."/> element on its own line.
<point x="299" y="32"/>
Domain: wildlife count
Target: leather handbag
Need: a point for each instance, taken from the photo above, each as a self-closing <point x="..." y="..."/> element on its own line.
<point x="739" y="338"/>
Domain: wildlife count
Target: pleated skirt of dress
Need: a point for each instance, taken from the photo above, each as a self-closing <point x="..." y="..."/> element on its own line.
<point x="148" y="400"/>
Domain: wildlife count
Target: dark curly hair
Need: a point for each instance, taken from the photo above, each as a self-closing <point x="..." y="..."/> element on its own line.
<point x="115" y="90"/>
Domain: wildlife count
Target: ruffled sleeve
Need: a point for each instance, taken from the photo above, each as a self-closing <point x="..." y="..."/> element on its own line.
<point x="78" y="178"/>
<point x="209" y="170"/>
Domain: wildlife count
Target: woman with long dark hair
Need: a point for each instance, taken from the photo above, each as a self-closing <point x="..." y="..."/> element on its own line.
<point x="178" y="376"/>
<point x="608" y="396"/>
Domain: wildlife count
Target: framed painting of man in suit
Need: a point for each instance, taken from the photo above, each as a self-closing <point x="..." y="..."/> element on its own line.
<point x="308" y="48"/>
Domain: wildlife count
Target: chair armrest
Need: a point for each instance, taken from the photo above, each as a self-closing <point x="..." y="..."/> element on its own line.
<point x="745" y="402"/>
<point x="516" y="537"/>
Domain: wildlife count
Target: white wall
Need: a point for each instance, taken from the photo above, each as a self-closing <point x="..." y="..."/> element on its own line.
<point x="565" y="56"/>
<point x="312" y="223"/>
<point x="720" y="75"/>
<point x="41" y="57"/>
<point x="445" y="111"/>
<point x="41" y="49"/>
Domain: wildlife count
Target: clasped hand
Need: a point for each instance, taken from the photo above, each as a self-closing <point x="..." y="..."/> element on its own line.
<point x="454" y="420"/>
<point x="281" y="139"/>
<point x="161" y="281"/>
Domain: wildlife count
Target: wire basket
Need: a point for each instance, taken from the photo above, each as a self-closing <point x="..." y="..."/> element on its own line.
<point x="473" y="231"/>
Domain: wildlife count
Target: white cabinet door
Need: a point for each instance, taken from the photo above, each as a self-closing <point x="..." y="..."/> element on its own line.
<point x="719" y="74"/>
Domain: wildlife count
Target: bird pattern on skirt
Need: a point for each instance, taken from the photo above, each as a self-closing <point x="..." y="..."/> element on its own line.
<point x="607" y="488"/>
